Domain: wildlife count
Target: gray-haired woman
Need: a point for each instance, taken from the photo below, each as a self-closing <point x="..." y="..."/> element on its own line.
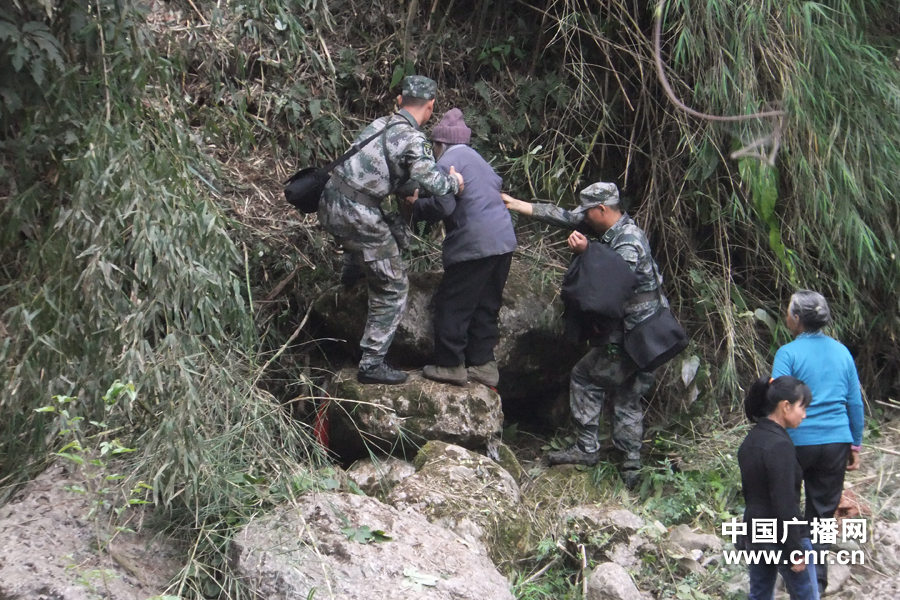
<point x="829" y="439"/>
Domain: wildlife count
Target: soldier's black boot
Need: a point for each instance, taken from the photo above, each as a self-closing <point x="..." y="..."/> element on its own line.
<point x="573" y="455"/>
<point x="631" y="477"/>
<point x="382" y="374"/>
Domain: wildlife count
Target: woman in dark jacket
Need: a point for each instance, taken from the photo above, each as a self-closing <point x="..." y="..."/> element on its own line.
<point x="477" y="254"/>
<point x="770" y="479"/>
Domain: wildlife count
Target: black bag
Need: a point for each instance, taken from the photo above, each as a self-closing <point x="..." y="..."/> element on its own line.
<point x="655" y="340"/>
<point x="598" y="283"/>
<point x="305" y="187"/>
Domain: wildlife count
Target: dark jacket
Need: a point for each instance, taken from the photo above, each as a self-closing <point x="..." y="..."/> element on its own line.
<point x="770" y="479"/>
<point x="477" y="222"/>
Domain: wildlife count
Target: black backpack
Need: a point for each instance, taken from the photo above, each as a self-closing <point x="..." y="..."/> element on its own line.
<point x="305" y="187"/>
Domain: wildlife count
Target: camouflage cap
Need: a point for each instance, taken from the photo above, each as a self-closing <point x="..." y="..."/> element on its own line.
<point x="419" y="86"/>
<point x="596" y="194"/>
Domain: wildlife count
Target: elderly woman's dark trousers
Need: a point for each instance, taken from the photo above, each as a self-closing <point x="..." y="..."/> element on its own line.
<point x="824" y="466"/>
<point x="466" y="308"/>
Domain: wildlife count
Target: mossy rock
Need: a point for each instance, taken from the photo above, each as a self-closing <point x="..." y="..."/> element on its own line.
<point x="461" y="490"/>
<point x="508" y="460"/>
<point x="400" y="418"/>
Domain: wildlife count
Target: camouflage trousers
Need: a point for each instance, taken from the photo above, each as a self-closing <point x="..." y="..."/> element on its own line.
<point x="608" y="373"/>
<point x="388" y="287"/>
<point x="369" y="244"/>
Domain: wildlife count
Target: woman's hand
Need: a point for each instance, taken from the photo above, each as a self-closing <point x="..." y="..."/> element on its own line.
<point x="516" y="205"/>
<point x="799" y="568"/>
<point x="577" y="242"/>
<point x="853" y="462"/>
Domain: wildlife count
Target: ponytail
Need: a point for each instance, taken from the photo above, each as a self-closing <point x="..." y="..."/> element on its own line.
<point x="765" y="394"/>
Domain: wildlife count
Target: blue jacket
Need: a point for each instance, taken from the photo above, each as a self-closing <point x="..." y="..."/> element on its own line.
<point x="826" y="366"/>
<point x="477" y="222"/>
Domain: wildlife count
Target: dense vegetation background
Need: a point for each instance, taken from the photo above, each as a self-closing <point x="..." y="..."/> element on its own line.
<point x="143" y="238"/>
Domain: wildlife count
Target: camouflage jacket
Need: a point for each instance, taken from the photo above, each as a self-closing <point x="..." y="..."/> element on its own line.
<point x="401" y="154"/>
<point x="629" y="242"/>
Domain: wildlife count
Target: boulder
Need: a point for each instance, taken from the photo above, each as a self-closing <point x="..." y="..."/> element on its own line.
<point x="838" y="575"/>
<point x="685" y="537"/>
<point x="626" y="553"/>
<point x="356" y="548"/>
<point x="533" y="358"/>
<point x="606" y="533"/>
<point x="609" y="581"/>
<point x="378" y="476"/>
<point x="468" y="493"/>
<point x="400" y="418"/>
<point x="48" y="546"/>
<point x="597" y="517"/>
<point x="503" y="455"/>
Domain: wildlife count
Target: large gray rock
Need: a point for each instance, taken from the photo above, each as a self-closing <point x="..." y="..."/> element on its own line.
<point x="466" y="492"/>
<point x="322" y="543"/>
<point x="607" y="533"/>
<point x="48" y="546"/>
<point x="838" y="575"/>
<point x="396" y="418"/>
<point x="598" y="517"/>
<point x="609" y="581"/>
<point x="378" y="476"/>
<point x="534" y="359"/>
<point x="685" y="537"/>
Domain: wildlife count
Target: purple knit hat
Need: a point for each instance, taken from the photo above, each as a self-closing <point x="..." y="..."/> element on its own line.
<point x="452" y="129"/>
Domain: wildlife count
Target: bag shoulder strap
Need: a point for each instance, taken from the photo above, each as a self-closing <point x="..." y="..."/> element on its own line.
<point x="355" y="148"/>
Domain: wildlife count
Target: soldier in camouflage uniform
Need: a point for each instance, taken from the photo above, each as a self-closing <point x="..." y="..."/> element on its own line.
<point x="350" y="211"/>
<point x="607" y="372"/>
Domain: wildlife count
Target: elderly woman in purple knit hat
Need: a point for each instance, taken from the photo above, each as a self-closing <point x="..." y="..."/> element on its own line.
<point x="477" y="253"/>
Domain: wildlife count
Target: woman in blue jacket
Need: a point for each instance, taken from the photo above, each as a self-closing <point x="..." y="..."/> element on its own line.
<point x="829" y="440"/>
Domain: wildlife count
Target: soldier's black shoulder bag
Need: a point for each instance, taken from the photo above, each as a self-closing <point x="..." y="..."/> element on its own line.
<point x="304" y="189"/>
<point x="657" y="339"/>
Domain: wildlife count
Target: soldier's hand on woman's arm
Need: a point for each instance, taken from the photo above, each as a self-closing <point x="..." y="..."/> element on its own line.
<point x="517" y="205"/>
<point x="459" y="178"/>
<point x="578" y="243"/>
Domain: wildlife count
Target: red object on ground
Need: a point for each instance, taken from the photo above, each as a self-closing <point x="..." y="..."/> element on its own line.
<point x="322" y="427"/>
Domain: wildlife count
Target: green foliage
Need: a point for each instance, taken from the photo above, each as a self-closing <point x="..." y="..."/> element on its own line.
<point x="364" y="534"/>
<point x="28" y="54"/>
<point x="553" y="578"/>
<point x="689" y="496"/>
<point x="118" y="261"/>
